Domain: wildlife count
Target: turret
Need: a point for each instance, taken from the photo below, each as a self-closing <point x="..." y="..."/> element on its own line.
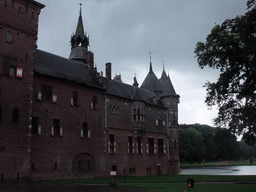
<point x="79" y="42"/>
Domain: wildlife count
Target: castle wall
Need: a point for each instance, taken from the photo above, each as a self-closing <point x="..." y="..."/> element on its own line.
<point x="18" y="34"/>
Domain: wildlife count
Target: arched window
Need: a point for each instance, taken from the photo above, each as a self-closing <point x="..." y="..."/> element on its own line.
<point x="15" y="115"/>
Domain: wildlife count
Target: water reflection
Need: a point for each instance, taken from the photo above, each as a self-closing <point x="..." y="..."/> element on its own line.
<point x="220" y="170"/>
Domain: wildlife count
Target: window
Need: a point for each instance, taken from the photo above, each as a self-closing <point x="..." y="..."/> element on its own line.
<point x="138" y="114"/>
<point x="130" y="145"/>
<point x="159" y="121"/>
<point x="94" y="102"/>
<point x="173" y="119"/>
<point x="9" y="37"/>
<point x="114" y="109"/>
<point x="111" y="144"/>
<point x="15" y="115"/>
<point x="74" y="99"/>
<point x="46" y="93"/>
<point x="160" y="146"/>
<point x="9" y="66"/>
<point x="35" y="125"/>
<point x="150" y="145"/>
<point x="85" y="132"/>
<point x="56" y="129"/>
<point x="140" y="150"/>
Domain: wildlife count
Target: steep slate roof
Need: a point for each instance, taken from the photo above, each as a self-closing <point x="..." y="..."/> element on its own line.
<point x="132" y="93"/>
<point x="167" y="85"/>
<point x="56" y="66"/>
<point x="151" y="82"/>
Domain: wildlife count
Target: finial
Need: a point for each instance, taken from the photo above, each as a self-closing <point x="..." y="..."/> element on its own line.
<point x="150" y="55"/>
<point x="80" y="8"/>
<point x="163" y="63"/>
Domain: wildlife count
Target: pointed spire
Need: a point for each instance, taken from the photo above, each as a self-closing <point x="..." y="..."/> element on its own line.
<point x="135" y="82"/>
<point x="150" y="67"/>
<point x="80" y="28"/>
<point x="79" y="41"/>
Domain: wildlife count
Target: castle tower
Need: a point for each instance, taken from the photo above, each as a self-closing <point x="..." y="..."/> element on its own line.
<point x="18" y="35"/>
<point x="171" y="101"/>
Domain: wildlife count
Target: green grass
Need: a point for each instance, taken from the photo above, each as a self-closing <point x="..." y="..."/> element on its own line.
<point x="175" y="183"/>
<point x="181" y="187"/>
<point x="159" y="179"/>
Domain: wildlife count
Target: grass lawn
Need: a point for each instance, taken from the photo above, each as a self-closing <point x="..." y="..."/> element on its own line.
<point x="181" y="187"/>
<point x="177" y="183"/>
<point x="160" y="179"/>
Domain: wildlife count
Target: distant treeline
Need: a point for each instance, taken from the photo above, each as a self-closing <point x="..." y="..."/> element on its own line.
<point x="202" y="142"/>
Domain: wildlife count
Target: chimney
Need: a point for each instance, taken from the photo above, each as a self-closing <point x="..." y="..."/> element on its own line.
<point x="90" y="59"/>
<point x="108" y="70"/>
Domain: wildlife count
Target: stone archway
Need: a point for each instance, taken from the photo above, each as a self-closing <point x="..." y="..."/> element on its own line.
<point x="83" y="164"/>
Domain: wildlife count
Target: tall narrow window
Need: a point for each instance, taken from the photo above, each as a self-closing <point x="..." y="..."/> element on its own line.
<point x="35" y="125"/>
<point x="111" y="144"/>
<point x="46" y="93"/>
<point x="56" y="126"/>
<point x="160" y="146"/>
<point x="85" y="132"/>
<point x="74" y="99"/>
<point x="130" y="145"/>
<point x="151" y="145"/>
<point x="139" y="145"/>
<point x="9" y="36"/>
<point x="15" y="115"/>
<point x="94" y="102"/>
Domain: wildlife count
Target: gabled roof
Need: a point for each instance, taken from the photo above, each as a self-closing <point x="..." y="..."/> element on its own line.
<point x="167" y="85"/>
<point x="151" y="82"/>
<point x="56" y="66"/>
<point x="132" y="93"/>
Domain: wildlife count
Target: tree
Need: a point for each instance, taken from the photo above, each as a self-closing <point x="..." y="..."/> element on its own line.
<point x="191" y="145"/>
<point x="226" y="145"/>
<point x="231" y="48"/>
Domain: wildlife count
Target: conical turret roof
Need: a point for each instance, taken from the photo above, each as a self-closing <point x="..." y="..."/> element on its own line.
<point x="151" y="82"/>
<point x="167" y="85"/>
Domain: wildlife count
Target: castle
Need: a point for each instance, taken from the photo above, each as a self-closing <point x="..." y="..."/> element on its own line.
<point x="61" y="118"/>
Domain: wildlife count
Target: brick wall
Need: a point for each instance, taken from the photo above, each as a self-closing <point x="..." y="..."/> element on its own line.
<point x="67" y="155"/>
<point x="18" y="33"/>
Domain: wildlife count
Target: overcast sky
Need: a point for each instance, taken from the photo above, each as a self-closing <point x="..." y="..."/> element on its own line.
<point x="123" y="32"/>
